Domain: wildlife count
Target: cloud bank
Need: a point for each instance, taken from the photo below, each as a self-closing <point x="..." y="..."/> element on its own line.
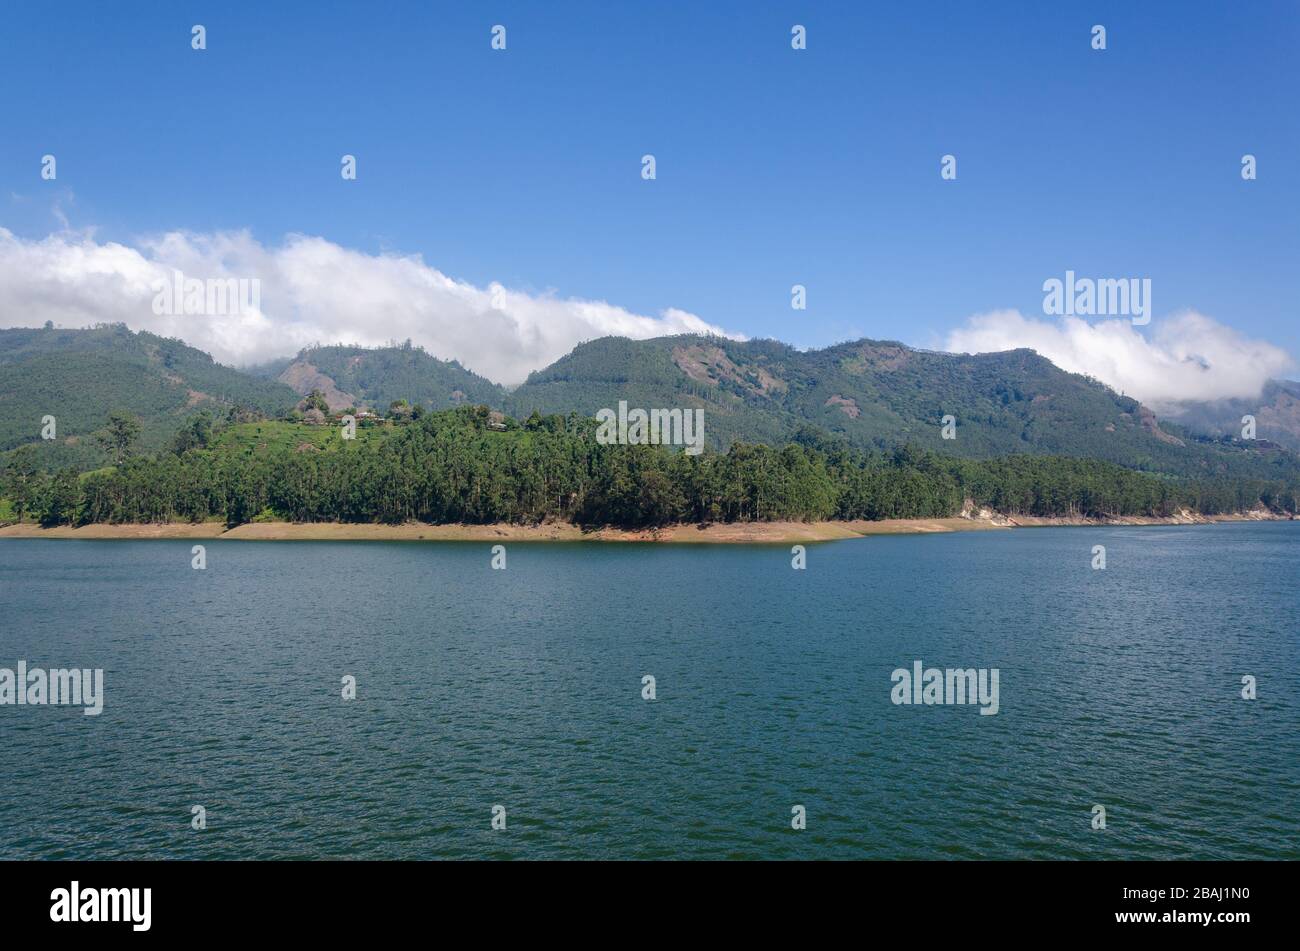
<point x="1187" y="357"/>
<point x="312" y="290"/>
<point x="315" y="291"/>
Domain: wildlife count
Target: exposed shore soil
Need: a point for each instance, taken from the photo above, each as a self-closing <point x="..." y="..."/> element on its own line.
<point x="732" y="533"/>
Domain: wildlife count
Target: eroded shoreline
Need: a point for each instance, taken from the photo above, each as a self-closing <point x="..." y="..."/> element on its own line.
<point x="716" y="533"/>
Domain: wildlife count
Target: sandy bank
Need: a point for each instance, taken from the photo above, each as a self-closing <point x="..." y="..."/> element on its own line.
<point x="782" y="533"/>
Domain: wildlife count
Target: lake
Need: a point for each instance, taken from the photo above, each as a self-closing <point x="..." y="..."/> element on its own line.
<point x="523" y="688"/>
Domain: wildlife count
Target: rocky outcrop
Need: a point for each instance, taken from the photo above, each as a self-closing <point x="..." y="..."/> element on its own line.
<point x="302" y="377"/>
<point x="706" y="364"/>
<point x="847" y="406"/>
<point x="1152" y="425"/>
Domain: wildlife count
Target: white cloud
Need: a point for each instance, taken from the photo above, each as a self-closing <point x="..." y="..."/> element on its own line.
<point x="1188" y="357"/>
<point x="312" y="290"/>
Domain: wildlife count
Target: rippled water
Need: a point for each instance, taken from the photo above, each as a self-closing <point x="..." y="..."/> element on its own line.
<point x="523" y="688"/>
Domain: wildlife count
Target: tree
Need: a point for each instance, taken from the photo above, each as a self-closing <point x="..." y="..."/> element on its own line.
<point x="315" y="400"/>
<point x="459" y="466"/>
<point x="61" y="499"/>
<point x="20" y="480"/>
<point x="195" y="434"/>
<point x="120" y="435"/>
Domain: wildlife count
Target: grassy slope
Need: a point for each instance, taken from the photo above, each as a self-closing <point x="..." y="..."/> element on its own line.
<point x="272" y="436"/>
<point x="79" y="376"/>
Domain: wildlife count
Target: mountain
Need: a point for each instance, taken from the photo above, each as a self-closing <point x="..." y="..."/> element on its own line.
<point x="375" y="377"/>
<point x="79" y="376"/>
<point x="1276" y="412"/>
<point x="876" y="393"/>
<point x="868" y="393"/>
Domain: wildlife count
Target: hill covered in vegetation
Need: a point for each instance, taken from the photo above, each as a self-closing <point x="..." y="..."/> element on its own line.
<point x="80" y="376"/>
<point x="373" y="378"/>
<point x="855" y="428"/>
<point x="1276" y="414"/>
<point x="876" y="394"/>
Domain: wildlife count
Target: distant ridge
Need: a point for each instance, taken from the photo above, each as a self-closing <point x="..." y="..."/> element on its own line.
<point x="867" y="393"/>
<point x="874" y="393"/>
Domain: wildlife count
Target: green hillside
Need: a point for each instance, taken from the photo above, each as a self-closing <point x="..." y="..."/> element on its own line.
<point x="871" y="395"/>
<point x="375" y="377"/>
<point x="881" y="394"/>
<point x="80" y="376"/>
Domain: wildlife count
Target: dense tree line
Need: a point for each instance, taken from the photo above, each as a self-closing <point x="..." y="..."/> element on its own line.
<point x="453" y="466"/>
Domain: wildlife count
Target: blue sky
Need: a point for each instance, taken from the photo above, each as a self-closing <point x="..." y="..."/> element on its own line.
<point x="775" y="167"/>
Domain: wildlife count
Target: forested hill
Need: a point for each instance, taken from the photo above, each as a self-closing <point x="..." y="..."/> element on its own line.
<point x="1276" y="413"/>
<point x="880" y="394"/>
<point x="869" y="394"/>
<point x="375" y="377"/>
<point x="80" y="376"/>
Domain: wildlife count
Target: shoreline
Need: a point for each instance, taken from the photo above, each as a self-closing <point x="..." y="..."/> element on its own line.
<point x="717" y="533"/>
